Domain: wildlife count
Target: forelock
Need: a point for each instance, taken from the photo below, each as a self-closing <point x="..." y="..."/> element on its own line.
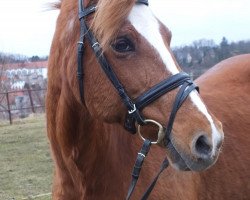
<point x="108" y="19"/>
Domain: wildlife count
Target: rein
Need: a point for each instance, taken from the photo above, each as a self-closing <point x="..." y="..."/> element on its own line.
<point x="134" y="107"/>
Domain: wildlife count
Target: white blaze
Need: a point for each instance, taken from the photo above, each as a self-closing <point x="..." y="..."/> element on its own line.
<point x="142" y="18"/>
<point x="145" y="23"/>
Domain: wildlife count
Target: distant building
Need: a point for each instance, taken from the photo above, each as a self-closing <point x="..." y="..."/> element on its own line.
<point x="30" y="74"/>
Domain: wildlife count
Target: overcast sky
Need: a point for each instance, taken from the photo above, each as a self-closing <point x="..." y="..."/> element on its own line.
<point x="27" y="28"/>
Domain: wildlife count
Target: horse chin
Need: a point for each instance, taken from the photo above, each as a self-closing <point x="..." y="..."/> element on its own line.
<point x="183" y="162"/>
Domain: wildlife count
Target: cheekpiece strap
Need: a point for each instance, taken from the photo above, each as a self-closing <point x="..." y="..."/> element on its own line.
<point x="181" y="96"/>
<point x="86" y="11"/>
<point x="82" y="13"/>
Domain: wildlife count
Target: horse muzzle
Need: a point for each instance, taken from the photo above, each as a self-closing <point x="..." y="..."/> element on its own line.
<point x="201" y="156"/>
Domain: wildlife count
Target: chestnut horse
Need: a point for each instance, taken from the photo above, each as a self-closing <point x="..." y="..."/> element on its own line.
<point x="93" y="153"/>
<point x="226" y="90"/>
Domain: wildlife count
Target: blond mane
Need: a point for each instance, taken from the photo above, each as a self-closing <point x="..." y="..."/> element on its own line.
<point x="109" y="17"/>
<point x="55" y="5"/>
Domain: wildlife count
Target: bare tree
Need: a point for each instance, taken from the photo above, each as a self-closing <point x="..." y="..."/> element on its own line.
<point x="4" y="60"/>
<point x="203" y="54"/>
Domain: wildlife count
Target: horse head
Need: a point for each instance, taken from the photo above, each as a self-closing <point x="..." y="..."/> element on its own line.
<point x="137" y="46"/>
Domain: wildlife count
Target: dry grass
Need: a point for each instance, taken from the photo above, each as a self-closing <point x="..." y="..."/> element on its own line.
<point x="25" y="163"/>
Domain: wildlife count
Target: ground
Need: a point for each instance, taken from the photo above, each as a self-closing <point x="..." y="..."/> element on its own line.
<point x="25" y="162"/>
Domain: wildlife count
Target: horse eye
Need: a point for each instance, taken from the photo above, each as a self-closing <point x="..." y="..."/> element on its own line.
<point x="123" y="45"/>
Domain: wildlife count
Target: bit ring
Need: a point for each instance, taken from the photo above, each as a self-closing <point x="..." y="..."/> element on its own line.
<point x="161" y="133"/>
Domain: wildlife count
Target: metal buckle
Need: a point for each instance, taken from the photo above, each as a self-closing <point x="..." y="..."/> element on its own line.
<point x="93" y="8"/>
<point x="161" y="133"/>
<point x="141" y="154"/>
<point x="95" y="44"/>
<point x="133" y="110"/>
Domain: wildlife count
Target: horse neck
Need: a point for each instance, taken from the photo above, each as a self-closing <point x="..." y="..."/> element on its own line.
<point x="106" y="158"/>
<point x="97" y="159"/>
<point x="106" y="143"/>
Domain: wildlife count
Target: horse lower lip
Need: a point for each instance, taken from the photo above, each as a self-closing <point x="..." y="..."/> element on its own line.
<point x="186" y="164"/>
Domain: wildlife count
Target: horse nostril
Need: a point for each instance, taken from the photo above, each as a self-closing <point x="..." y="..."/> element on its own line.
<point x="203" y="146"/>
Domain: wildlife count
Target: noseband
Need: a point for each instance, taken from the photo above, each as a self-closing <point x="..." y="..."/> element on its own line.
<point x="134" y="106"/>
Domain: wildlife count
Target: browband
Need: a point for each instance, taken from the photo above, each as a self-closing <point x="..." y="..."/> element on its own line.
<point x="83" y="12"/>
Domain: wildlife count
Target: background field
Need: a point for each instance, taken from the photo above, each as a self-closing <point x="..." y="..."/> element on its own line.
<point x="25" y="163"/>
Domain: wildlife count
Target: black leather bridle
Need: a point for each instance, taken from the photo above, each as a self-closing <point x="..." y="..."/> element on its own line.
<point x="134" y="106"/>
